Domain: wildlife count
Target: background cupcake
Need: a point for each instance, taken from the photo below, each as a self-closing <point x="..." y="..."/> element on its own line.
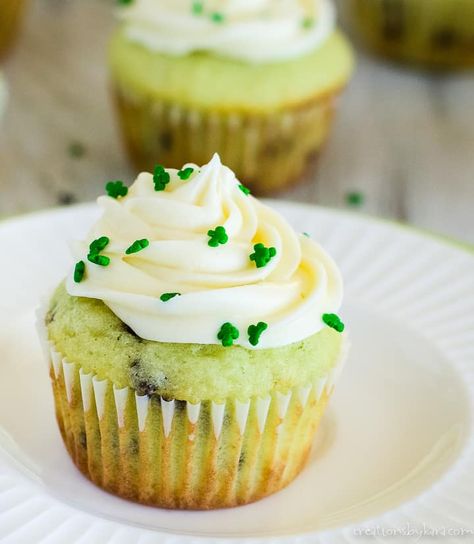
<point x="194" y="349"/>
<point x="437" y="33"/>
<point x="11" y="12"/>
<point x="254" y="81"/>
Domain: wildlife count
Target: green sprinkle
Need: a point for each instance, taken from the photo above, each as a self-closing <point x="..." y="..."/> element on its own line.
<point x="255" y="331"/>
<point x="168" y="296"/>
<point x="98" y="245"/>
<point x="197" y="8"/>
<point x="334" y="321"/>
<point x="79" y="271"/>
<point x="354" y="198"/>
<point x="263" y="255"/>
<point x="124" y="2"/>
<point x="217" y="17"/>
<point x="227" y="334"/>
<point x="185" y="173"/>
<point x="100" y="260"/>
<point x="307" y="23"/>
<point x="116" y="189"/>
<point x="76" y="150"/>
<point x="244" y="189"/>
<point x="161" y="178"/>
<point x="137" y="246"/>
<point x="217" y="236"/>
<point x="306" y="234"/>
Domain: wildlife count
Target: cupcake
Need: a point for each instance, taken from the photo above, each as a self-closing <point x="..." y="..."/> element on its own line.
<point x="254" y="81"/>
<point x="195" y="343"/>
<point x="434" y="33"/>
<point x="11" y="12"/>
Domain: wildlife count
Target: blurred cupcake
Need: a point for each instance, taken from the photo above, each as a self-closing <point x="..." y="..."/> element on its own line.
<point x="254" y="81"/>
<point x="435" y="33"/>
<point x="11" y="12"/>
<point x="195" y="344"/>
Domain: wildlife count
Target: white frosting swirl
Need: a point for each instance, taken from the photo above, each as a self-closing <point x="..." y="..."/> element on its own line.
<point x="250" y="30"/>
<point x="217" y="284"/>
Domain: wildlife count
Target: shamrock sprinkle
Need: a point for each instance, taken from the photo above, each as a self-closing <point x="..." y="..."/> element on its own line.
<point x="168" y="296"/>
<point x="94" y="250"/>
<point x="161" y="178"/>
<point x="79" y="271"/>
<point x="124" y="2"/>
<point x="217" y="236"/>
<point x="98" y="245"/>
<point x="76" y="150"/>
<point x="197" y="8"/>
<point x="255" y="331"/>
<point x="116" y="189"/>
<point x="217" y="17"/>
<point x="244" y="189"/>
<point x="100" y="260"/>
<point x="185" y="173"/>
<point x="306" y="234"/>
<point x="334" y="321"/>
<point x="307" y="22"/>
<point x="137" y="246"/>
<point x="354" y="199"/>
<point x="262" y="255"/>
<point x="227" y="334"/>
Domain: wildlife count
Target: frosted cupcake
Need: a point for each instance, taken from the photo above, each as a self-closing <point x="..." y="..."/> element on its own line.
<point x="11" y="12"/>
<point x="255" y="81"/>
<point x="195" y="343"/>
<point x="435" y="33"/>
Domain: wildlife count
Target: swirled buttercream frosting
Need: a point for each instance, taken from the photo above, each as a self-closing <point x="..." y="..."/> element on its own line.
<point x="248" y="30"/>
<point x="190" y="256"/>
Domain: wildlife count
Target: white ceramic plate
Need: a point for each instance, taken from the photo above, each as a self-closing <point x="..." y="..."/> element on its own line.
<point x="396" y="448"/>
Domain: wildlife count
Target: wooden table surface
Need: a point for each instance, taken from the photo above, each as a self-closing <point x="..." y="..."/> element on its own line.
<point x="402" y="138"/>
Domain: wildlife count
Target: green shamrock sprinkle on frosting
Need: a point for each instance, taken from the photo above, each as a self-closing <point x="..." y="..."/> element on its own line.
<point x="116" y="189"/>
<point x="306" y="234"/>
<point x="161" y="178"/>
<point x="217" y="17"/>
<point x="217" y="236"/>
<point x="168" y="296"/>
<point x="197" y="8"/>
<point x="263" y="255"/>
<point x="185" y="173"/>
<point x="255" y="331"/>
<point x="101" y="260"/>
<point x="334" y="321"/>
<point x="79" y="271"/>
<point x="94" y="251"/>
<point x="244" y="189"/>
<point x="307" y="23"/>
<point x="227" y="334"/>
<point x="137" y="246"/>
<point x="99" y="245"/>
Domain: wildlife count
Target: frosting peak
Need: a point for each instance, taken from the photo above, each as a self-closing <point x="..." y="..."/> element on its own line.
<point x="249" y="30"/>
<point x="181" y="263"/>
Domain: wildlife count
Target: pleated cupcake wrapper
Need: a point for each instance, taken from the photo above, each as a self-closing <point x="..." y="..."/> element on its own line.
<point x="267" y="151"/>
<point x="432" y="32"/>
<point x="177" y="454"/>
<point x="10" y="15"/>
<point x="92" y="388"/>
